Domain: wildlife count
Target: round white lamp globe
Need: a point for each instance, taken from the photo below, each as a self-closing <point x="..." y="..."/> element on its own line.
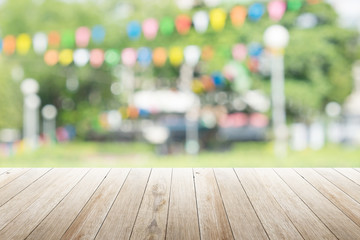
<point x="32" y="101"/>
<point x="29" y="86"/>
<point x="49" y="112"/>
<point x="276" y="37"/>
<point x="333" y="109"/>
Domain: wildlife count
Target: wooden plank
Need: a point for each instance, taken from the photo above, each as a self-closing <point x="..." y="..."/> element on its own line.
<point x="11" y="175"/>
<point x="213" y="220"/>
<point x="345" y="184"/>
<point x="344" y="202"/>
<point x="338" y="223"/>
<point x="350" y="173"/>
<point x="120" y="220"/>
<point x="23" y="224"/>
<point x="24" y="199"/>
<point x="89" y="220"/>
<point x="242" y="217"/>
<point x="267" y="207"/>
<point x="4" y="170"/>
<point x="64" y="214"/>
<point x="306" y="222"/>
<point x="10" y="190"/>
<point x="183" y="219"/>
<point x="152" y="217"/>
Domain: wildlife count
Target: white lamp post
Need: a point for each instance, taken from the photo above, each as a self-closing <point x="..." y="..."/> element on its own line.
<point x="29" y="88"/>
<point x="49" y="113"/>
<point x="192" y="56"/>
<point x="276" y="38"/>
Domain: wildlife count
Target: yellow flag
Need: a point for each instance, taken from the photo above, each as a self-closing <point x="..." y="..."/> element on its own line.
<point x="176" y="56"/>
<point x="217" y="19"/>
<point x="23" y="44"/>
<point x="66" y="57"/>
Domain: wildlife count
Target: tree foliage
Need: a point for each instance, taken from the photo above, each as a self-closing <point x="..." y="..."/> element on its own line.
<point x="318" y="60"/>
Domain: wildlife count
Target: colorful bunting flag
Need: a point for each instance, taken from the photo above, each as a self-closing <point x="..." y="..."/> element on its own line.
<point x="97" y="57"/>
<point x="167" y="26"/>
<point x="112" y="57"/>
<point x="201" y="21"/>
<point x="23" y="44"/>
<point x="217" y="19"/>
<point x="176" y="56"/>
<point x="98" y="34"/>
<point x="82" y="36"/>
<point x="238" y="15"/>
<point x="66" y="57"/>
<point x="51" y="57"/>
<point x="183" y="24"/>
<point x="128" y="57"/>
<point x="54" y="39"/>
<point x="133" y="30"/>
<point x="150" y="28"/>
<point x="159" y="56"/>
<point x="9" y="44"/>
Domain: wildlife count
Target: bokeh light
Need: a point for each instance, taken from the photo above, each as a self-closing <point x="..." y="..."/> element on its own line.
<point x="9" y="44"/>
<point x="97" y="57"/>
<point x="51" y="57"/>
<point x="66" y="57"/>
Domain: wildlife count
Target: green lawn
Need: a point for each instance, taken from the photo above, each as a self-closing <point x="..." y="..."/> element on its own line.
<point x="80" y="154"/>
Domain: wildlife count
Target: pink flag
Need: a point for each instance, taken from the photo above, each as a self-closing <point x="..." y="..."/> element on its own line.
<point x="276" y="9"/>
<point x="82" y="36"/>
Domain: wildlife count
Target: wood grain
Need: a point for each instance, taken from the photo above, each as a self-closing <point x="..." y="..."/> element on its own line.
<point x="306" y="222"/>
<point x="350" y="173"/>
<point x="183" y="219"/>
<point x="213" y="220"/>
<point x="344" y="202"/>
<point x="338" y="223"/>
<point x="24" y="223"/>
<point x="345" y="184"/>
<point x="152" y="217"/>
<point x="65" y="213"/>
<point x="180" y="204"/>
<point x="11" y="175"/>
<point x="24" y="199"/>
<point x="88" y="222"/>
<point x="243" y="219"/>
<point x="4" y="170"/>
<point x="20" y="183"/>
<point x="120" y="220"/>
<point x="267" y="207"/>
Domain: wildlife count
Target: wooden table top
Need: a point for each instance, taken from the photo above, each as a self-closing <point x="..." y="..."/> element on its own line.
<point x="206" y="203"/>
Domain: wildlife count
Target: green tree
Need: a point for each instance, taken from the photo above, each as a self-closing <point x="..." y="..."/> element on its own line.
<point x="318" y="60"/>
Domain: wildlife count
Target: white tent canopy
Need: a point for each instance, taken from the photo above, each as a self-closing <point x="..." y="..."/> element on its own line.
<point x="165" y="101"/>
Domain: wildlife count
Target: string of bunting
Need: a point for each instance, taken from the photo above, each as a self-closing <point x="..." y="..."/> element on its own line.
<point x="49" y="44"/>
<point x="145" y="55"/>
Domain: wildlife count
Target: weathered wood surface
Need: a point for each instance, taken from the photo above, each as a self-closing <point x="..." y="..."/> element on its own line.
<point x="267" y="207"/>
<point x="179" y="203"/>
<point x="182" y="222"/>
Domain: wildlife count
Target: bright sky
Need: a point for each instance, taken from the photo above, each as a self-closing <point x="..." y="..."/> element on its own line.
<point x="349" y="11"/>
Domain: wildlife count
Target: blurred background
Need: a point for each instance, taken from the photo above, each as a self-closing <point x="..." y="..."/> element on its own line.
<point x="179" y="83"/>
